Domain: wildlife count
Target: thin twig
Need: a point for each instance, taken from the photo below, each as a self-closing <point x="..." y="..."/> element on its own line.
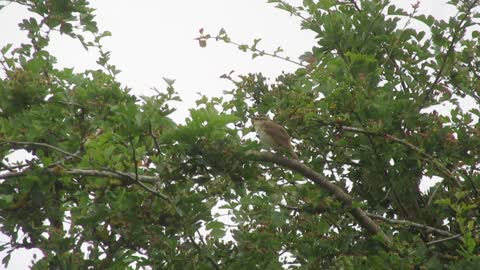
<point x="428" y="157"/>
<point x="354" y="3"/>
<point x="434" y="193"/>
<point x="155" y="141"/>
<point x="134" y="157"/>
<point x="260" y="52"/>
<point x="470" y="180"/>
<point x="90" y="172"/>
<point x="410" y="224"/>
<point x="431" y="159"/>
<point x="137" y="180"/>
<point x="456" y="236"/>
<point x="6" y="166"/>
<point x="299" y="208"/>
<point x="42" y="145"/>
<point x="69" y="104"/>
<point x="113" y="174"/>
<point x="385" y="173"/>
<point x="155" y="192"/>
<point x="443" y="240"/>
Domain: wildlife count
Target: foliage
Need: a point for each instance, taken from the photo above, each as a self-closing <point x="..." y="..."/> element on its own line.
<point x="114" y="183"/>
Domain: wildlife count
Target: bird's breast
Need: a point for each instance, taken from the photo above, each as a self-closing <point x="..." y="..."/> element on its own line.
<point x="265" y="138"/>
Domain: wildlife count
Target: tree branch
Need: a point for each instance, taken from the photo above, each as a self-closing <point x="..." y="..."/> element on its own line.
<point x="136" y="178"/>
<point x="98" y="173"/>
<point x="111" y="174"/>
<point x="439" y="166"/>
<point x="226" y="39"/>
<point x="88" y="172"/>
<point x="354" y="3"/>
<point x="411" y="224"/>
<point x="388" y="220"/>
<point x="12" y="174"/>
<point x="396" y="197"/>
<point x="362" y="218"/>
<point x="462" y="25"/>
<point x="6" y="166"/>
<point x="456" y="236"/>
<point x="134" y="157"/>
<point x="42" y="145"/>
<point x="434" y="242"/>
<point x="155" y="141"/>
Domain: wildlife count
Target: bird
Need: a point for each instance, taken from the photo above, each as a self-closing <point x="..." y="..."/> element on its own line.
<point x="273" y="135"/>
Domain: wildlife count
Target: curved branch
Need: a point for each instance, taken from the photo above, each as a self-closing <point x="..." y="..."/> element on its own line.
<point x="361" y="216"/>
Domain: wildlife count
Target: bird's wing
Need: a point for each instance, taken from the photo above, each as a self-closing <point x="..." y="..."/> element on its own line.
<point x="282" y="138"/>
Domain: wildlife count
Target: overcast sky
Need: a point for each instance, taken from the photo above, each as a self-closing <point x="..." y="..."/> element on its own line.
<point x="154" y="39"/>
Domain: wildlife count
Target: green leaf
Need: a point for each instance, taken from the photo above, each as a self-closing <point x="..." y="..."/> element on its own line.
<point x="243" y="47"/>
<point x="428" y="20"/>
<point x="217" y="229"/>
<point x="326" y="4"/>
<point x="169" y="82"/>
<point x="6" y="48"/>
<point x="277" y="219"/>
<point x="393" y="10"/>
<point x="6" y="198"/>
<point x="6" y="259"/>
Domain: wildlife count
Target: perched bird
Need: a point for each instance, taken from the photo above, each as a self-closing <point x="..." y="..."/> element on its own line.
<point x="273" y="134"/>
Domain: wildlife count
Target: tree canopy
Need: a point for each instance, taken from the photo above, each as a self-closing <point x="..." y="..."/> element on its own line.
<point x="115" y="183"/>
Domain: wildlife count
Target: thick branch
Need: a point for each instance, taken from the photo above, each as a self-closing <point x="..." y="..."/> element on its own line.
<point x="362" y="218"/>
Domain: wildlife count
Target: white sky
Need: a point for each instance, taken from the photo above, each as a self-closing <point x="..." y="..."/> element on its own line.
<point x="154" y="39"/>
